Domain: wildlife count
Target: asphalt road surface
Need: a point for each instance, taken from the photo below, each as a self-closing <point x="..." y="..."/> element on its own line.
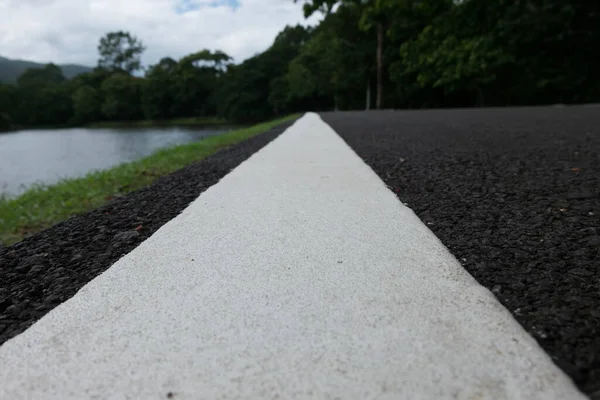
<point x="298" y="275"/>
<point x="514" y="193"/>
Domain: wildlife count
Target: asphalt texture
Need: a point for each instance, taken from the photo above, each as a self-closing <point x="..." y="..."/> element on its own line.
<point x="515" y="195"/>
<point x="298" y="276"/>
<point x="48" y="268"/>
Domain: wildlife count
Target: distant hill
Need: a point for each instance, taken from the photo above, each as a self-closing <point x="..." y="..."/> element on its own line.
<point x="10" y="70"/>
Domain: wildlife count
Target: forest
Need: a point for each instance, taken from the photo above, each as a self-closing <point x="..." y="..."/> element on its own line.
<point x="364" y="54"/>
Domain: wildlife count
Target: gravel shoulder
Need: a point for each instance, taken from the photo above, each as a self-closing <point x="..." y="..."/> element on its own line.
<point x="48" y="268"/>
<point x="515" y="195"/>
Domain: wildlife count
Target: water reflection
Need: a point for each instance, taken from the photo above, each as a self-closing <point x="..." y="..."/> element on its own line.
<point x="46" y="156"/>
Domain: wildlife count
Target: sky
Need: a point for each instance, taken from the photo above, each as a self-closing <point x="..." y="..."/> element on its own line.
<point x="68" y="31"/>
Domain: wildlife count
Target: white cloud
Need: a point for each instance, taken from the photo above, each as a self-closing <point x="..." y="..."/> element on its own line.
<point x="67" y="31"/>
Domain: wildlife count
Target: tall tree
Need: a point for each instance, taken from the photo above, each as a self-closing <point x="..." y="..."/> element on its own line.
<point x="374" y="16"/>
<point x="197" y="77"/>
<point x="120" y="51"/>
<point x="86" y="105"/>
<point x="159" y="92"/>
<point x="323" y="6"/>
<point x="43" y="97"/>
<point x="121" y="97"/>
<point x="8" y="105"/>
<point x="243" y="94"/>
<point x="50" y="74"/>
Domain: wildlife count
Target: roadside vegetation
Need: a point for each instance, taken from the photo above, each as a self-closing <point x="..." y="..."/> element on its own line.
<point x="362" y="54"/>
<point x="43" y="206"/>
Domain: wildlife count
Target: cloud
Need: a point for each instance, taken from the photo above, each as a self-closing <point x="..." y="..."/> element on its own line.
<point x="183" y="6"/>
<point x="67" y="31"/>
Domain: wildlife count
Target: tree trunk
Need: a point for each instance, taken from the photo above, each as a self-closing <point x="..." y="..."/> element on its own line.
<point x="368" y="102"/>
<point x="379" y="64"/>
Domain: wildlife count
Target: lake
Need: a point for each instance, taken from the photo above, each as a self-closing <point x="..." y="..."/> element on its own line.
<point x="46" y="156"/>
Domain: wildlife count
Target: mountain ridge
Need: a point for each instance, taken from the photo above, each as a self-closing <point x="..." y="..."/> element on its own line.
<point x="11" y="69"/>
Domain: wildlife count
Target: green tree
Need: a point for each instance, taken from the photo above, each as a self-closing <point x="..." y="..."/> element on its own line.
<point x="244" y="90"/>
<point x="43" y="97"/>
<point x="8" y="105"/>
<point x="197" y="77"/>
<point x="158" y="94"/>
<point x="43" y="105"/>
<point x="120" y="51"/>
<point x="93" y="78"/>
<point x="323" y="6"/>
<point x="334" y="67"/>
<point x="121" y="98"/>
<point x="312" y="74"/>
<point x="50" y="74"/>
<point x="374" y="16"/>
<point x="4" y="122"/>
<point x="86" y="105"/>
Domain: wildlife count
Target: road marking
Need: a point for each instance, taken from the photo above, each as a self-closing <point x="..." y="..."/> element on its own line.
<point x="299" y="275"/>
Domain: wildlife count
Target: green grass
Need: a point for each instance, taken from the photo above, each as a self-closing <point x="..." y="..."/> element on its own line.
<point x="194" y="121"/>
<point x="43" y="206"/>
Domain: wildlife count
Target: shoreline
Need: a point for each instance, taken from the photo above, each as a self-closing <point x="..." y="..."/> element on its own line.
<point x="41" y="207"/>
<point x="207" y="122"/>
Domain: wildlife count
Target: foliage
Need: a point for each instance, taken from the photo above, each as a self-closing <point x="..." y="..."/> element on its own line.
<point x="8" y="101"/>
<point x="86" y="104"/>
<point x="158" y="95"/>
<point x="244" y="90"/>
<point x="334" y="66"/>
<point x="121" y="94"/>
<point x="120" y="51"/>
<point x="322" y="6"/>
<point x="362" y="54"/>
<point x="4" y="122"/>
<point x="49" y="74"/>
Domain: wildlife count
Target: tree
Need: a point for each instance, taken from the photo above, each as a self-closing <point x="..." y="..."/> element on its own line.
<point x="93" y="78"/>
<point x="416" y="53"/>
<point x="8" y="105"/>
<point x="120" y="51"/>
<point x="323" y="6"/>
<point x="214" y="61"/>
<point x="42" y="97"/>
<point x="50" y="74"/>
<point x="86" y="105"/>
<point x="121" y="98"/>
<point x="374" y="15"/>
<point x="196" y="78"/>
<point x="313" y="73"/>
<point x="49" y="104"/>
<point x="158" y="90"/>
<point x="244" y="90"/>
<point x="5" y="124"/>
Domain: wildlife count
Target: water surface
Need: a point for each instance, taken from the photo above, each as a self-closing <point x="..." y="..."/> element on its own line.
<point x="46" y="156"/>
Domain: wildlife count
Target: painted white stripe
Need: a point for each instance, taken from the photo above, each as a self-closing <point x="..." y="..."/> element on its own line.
<point x="299" y="275"/>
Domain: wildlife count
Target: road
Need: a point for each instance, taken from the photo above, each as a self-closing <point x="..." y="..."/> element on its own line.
<point x="514" y="193"/>
<point x="303" y="273"/>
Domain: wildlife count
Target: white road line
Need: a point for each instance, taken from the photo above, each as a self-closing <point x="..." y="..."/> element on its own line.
<point x="299" y="275"/>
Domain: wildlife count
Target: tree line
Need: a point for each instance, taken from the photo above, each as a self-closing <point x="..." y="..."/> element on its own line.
<point x="363" y="54"/>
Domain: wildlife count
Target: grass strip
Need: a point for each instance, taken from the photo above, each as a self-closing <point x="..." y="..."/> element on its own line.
<point x="43" y="206"/>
